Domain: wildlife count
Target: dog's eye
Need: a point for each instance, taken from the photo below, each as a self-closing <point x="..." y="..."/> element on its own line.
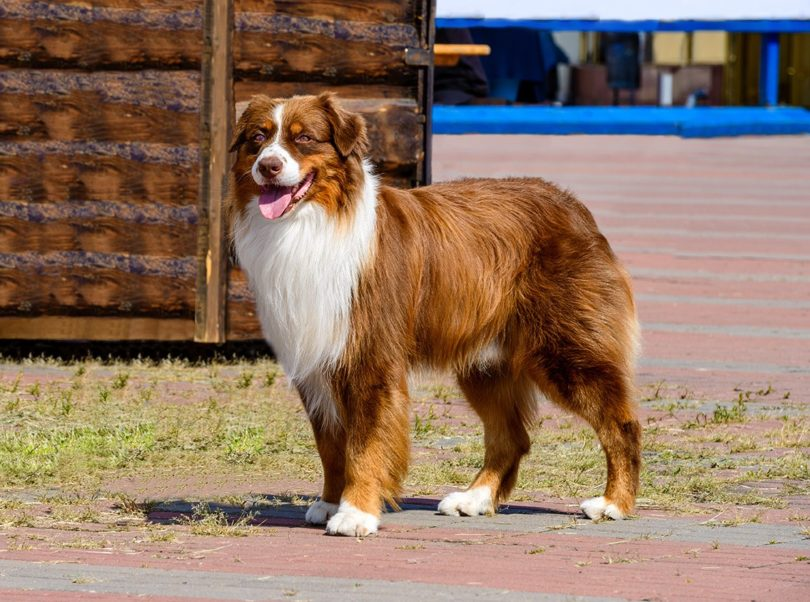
<point x="303" y="138"/>
<point x="259" y="138"/>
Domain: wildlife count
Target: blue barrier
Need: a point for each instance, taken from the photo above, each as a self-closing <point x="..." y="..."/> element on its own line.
<point x="734" y="25"/>
<point x="698" y="122"/>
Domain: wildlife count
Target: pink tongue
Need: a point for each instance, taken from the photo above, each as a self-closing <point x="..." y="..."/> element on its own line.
<point x="273" y="201"/>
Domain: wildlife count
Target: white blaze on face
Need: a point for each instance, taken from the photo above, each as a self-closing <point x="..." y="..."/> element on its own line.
<point x="290" y="174"/>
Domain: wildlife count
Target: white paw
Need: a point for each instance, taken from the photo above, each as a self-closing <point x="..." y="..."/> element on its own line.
<point x="598" y="508"/>
<point x="352" y="521"/>
<point x="319" y="512"/>
<point x="472" y="502"/>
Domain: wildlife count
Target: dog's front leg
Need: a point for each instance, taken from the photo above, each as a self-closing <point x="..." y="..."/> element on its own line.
<point x="331" y="442"/>
<point x="330" y="439"/>
<point x="377" y="452"/>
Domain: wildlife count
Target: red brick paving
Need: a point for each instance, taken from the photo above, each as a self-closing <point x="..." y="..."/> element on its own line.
<point x="645" y="567"/>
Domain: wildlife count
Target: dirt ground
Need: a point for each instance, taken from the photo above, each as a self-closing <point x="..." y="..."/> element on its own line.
<point x="179" y="480"/>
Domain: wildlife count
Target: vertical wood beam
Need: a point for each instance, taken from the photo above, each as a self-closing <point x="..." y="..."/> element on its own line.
<point x="424" y="170"/>
<point x="216" y="117"/>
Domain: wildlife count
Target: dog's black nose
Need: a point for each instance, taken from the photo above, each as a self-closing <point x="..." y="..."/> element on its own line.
<point x="270" y="167"/>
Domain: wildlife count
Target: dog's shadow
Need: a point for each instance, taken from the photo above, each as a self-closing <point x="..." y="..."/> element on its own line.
<point x="278" y="510"/>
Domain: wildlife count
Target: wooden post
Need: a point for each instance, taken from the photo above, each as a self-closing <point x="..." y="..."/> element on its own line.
<point x="428" y="35"/>
<point x="216" y="117"/>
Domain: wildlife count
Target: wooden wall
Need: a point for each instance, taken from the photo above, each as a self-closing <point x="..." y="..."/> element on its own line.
<point x="106" y="160"/>
<point x="99" y="168"/>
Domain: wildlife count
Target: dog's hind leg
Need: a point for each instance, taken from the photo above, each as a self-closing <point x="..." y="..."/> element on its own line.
<point x="601" y="393"/>
<point x="505" y="403"/>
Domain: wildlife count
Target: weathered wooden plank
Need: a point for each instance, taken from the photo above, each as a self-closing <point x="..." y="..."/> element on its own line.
<point x="101" y="227"/>
<point x="145" y="106"/>
<point x="76" y="283"/>
<point x="395" y="138"/>
<point x="426" y="17"/>
<point x="245" y="89"/>
<point x="243" y="324"/>
<point x="382" y="11"/>
<point x="166" y="5"/>
<point x="396" y="35"/>
<point x="89" y="171"/>
<point x="291" y="55"/>
<point x="92" y="328"/>
<point x="134" y="213"/>
<point x="40" y="34"/>
<point x="216" y="119"/>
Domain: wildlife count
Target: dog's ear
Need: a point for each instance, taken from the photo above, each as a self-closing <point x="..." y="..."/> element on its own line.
<point x="258" y="103"/>
<point x="348" y="129"/>
<point x="238" y="136"/>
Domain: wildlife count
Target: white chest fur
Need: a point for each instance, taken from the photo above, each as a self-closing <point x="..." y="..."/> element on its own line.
<point x="303" y="269"/>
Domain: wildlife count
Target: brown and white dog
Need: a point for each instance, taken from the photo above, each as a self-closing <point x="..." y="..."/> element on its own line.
<point x="508" y="283"/>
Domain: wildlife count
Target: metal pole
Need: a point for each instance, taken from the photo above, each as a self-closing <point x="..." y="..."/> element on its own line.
<point x="769" y="70"/>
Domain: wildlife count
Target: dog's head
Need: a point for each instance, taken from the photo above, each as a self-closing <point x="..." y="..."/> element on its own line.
<point x="296" y="150"/>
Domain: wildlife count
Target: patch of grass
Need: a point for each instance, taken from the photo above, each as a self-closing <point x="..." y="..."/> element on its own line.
<point x="178" y="418"/>
<point x="444" y="393"/>
<point x="162" y="536"/>
<point x="16" y="519"/>
<point x="206" y="521"/>
<point x="13" y="386"/>
<point x="244" y="380"/>
<point x="738" y="520"/>
<point x="610" y="559"/>
<point x="735" y="413"/>
<point x="424" y="426"/>
<point x="743" y="444"/>
<point x="794" y="433"/>
<point x="81" y="429"/>
<point x="120" y="381"/>
<point x="84" y="544"/>
<point x="246" y="445"/>
<point x="36" y="456"/>
<point x="74" y="514"/>
<point x="270" y="377"/>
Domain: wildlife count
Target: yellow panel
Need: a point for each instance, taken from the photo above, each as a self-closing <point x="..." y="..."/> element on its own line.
<point x="797" y="51"/>
<point x="709" y="47"/>
<point x="670" y="49"/>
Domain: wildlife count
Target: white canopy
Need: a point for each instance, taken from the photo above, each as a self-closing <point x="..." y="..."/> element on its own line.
<point x="625" y="10"/>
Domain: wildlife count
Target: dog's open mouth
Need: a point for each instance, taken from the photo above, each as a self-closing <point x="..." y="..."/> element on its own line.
<point x="275" y="201"/>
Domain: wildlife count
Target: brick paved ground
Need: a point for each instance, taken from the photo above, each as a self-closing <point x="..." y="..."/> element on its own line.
<point x="716" y="234"/>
